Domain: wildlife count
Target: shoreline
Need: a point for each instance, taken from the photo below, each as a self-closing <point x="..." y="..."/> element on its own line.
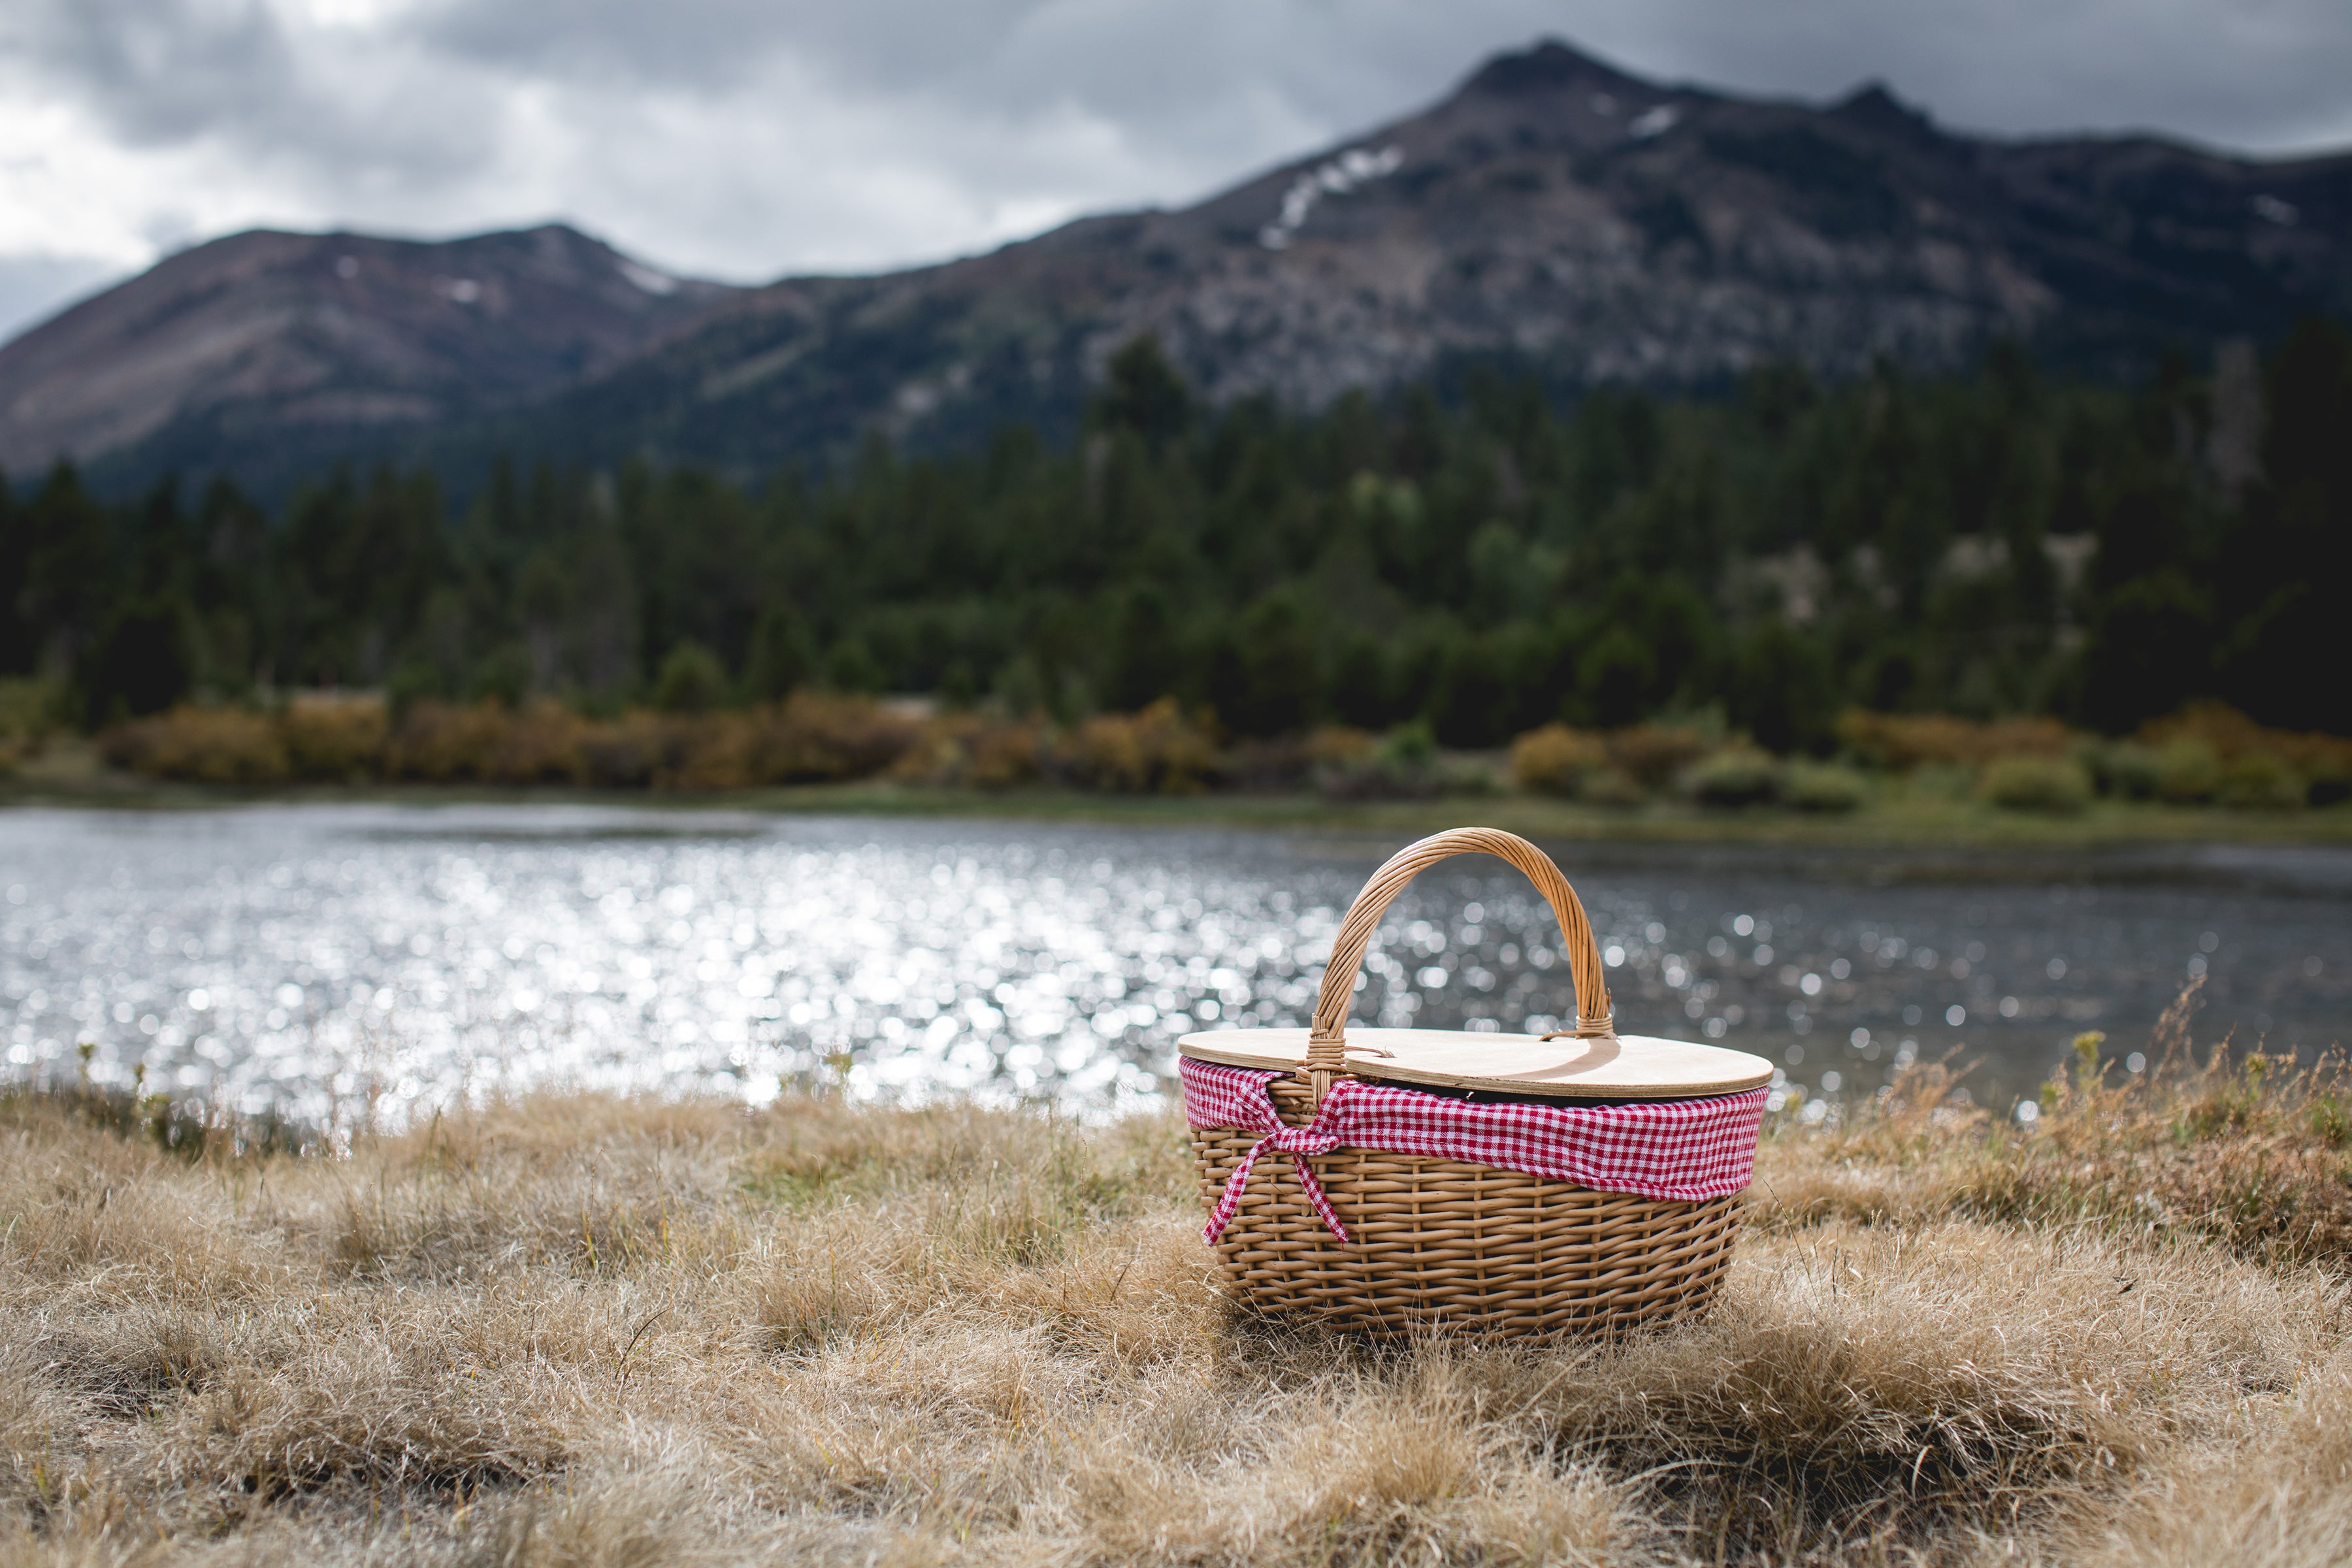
<point x="1911" y="822"/>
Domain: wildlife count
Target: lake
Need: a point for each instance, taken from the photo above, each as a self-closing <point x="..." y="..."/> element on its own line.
<point x="319" y="959"/>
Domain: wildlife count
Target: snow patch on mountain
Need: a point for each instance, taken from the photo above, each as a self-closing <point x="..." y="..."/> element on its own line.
<point x="646" y="279"/>
<point x="1351" y="171"/>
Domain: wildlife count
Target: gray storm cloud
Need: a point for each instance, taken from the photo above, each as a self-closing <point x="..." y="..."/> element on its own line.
<point x="747" y="139"/>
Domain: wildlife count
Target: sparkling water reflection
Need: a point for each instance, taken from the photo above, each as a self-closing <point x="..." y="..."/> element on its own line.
<point x="315" y="957"/>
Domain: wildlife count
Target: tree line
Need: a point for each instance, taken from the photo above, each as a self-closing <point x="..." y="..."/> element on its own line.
<point x="1485" y="562"/>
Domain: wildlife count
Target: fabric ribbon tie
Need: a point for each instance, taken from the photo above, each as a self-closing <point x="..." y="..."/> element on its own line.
<point x="1301" y="1144"/>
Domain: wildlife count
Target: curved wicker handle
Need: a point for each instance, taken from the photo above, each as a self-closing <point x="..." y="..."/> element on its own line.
<point x="1327" y="1042"/>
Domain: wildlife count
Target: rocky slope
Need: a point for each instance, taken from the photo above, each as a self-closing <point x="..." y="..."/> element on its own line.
<point x="266" y="340"/>
<point x="1553" y="214"/>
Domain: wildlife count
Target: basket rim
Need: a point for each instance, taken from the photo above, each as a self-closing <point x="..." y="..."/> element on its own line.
<point x="1703" y="1070"/>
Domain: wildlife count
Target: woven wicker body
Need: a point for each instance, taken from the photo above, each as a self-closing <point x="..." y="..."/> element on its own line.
<point x="1466" y="1248"/>
<point x="1436" y="1244"/>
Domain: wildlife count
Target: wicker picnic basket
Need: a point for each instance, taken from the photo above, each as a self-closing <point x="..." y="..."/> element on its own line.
<point x="1433" y="1243"/>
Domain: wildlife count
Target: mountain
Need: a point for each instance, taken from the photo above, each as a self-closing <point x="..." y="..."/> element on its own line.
<point x="1554" y="215"/>
<point x="301" y="344"/>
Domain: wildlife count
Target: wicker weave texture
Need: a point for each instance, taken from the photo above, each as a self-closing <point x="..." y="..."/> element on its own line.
<point x="1468" y="1248"/>
<point x="1439" y="1244"/>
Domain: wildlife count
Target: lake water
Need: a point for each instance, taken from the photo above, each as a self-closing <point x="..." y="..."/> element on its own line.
<point x="319" y="957"/>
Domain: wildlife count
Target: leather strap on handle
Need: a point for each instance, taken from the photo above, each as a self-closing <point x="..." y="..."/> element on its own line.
<point x="1326" y="1041"/>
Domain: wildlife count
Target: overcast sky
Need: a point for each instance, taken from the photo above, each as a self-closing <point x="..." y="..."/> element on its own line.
<point x="746" y="139"/>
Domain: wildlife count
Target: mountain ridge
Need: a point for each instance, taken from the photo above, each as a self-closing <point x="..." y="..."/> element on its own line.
<point x="329" y="332"/>
<point x="1554" y="213"/>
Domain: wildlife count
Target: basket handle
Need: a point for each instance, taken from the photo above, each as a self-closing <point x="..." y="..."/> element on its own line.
<point x="1326" y="1041"/>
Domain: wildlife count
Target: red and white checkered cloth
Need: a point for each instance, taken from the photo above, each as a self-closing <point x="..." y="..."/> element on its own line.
<point x="1687" y="1150"/>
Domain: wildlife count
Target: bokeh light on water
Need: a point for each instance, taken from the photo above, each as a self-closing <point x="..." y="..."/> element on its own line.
<point x="316" y="958"/>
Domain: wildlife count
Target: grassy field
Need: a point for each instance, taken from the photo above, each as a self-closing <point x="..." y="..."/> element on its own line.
<point x="1897" y="816"/>
<point x="576" y="1329"/>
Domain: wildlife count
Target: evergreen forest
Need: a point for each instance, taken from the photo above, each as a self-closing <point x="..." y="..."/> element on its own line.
<point x="1486" y="562"/>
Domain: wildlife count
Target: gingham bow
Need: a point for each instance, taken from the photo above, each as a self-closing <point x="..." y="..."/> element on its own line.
<point x="1299" y="1144"/>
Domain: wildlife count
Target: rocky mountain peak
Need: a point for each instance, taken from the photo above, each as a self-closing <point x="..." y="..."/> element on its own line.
<point x="1556" y="216"/>
<point x="1874" y="106"/>
<point x="323" y="334"/>
<point x="1549" y="67"/>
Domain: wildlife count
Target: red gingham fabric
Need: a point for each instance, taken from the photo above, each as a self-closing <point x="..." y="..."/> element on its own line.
<point x="1687" y="1150"/>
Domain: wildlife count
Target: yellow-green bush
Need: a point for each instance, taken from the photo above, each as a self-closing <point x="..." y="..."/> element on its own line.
<point x="442" y="742"/>
<point x="815" y="737"/>
<point x="1652" y="755"/>
<point x="2055" y="785"/>
<point x="1826" y="787"/>
<point x="626" y="753"/>
<point x="333" y="741"/>
<point x="30" y="708"/>
<point x="1557" y="760"/>
<point x="539" y="744"/>
<point x="1158" y="750"/>
<point x="1615" y="788"/>
<point x="1734" y="776"/>
<point x="2218" y="753"/>
<point x="201" y="746"/>
<point x="1901" y="742"/>
<point x="2188" y="770"/>
<point x="975" y="751"/>
<point x="2259" y="781"/>
<point x="2128" y="770"/>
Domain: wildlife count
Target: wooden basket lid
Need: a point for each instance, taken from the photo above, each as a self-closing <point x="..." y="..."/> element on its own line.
<point x="1619" y="1066"/>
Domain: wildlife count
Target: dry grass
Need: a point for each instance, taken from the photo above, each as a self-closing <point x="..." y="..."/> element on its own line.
<point x="2251" y="1152"/>
<point x="594" y="1330"/>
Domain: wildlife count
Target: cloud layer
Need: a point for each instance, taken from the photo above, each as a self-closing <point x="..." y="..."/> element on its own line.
<point x="744" y="138"/>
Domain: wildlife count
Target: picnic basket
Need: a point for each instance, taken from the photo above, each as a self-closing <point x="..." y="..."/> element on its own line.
<point x="1604" y="1193"/>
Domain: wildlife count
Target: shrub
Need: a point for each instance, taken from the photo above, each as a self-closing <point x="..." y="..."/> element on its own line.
<point x="1467" y="776"/>
<point x="817" y="736"/>
<point x="1006" y="755"/>
<point x="1288" y="762"/>
<point x="1825" y="787"/>
<point x="703" y="751"/>
<point x="2128" y="770"/>
<point x="1404" y="766"/>
<point x="1556" y="760"/>
<point x="1651" y="754"/>
<point x="2052" y="784"/>
<point x="1901" y="742"/>
<point x="2258" y="781"/>
<point x="975" y="750"/>
<point x="1613" y="788"/>
<point x="537" y="744"/>
<point x="335" y="740"/>
<point x="1158" y="750"/>
<point x="1734" y="776"/>
<point x="2251" y="765"/>
<point x="2188" y="770"/>
<point x="626" y="753"/>
<point x="31" y="709"/>
<point x="201" y="746"/>
<point x="442" y="742"/>
<point x="1328" y="743"/>
<point x="1374" y="778"/>
<point x="1410" y="743"/>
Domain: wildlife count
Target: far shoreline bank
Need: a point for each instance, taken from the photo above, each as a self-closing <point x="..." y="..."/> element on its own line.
<point x="1912" y="824"/>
